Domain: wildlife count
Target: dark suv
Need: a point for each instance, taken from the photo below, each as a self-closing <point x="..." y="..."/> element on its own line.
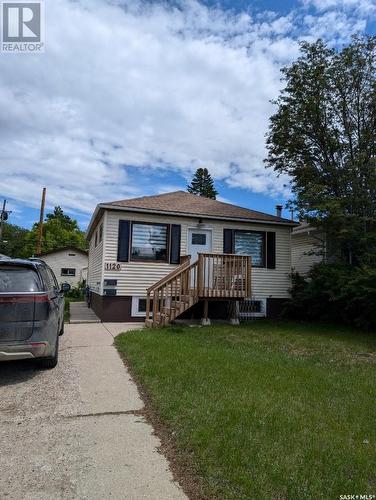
<point x="31" y="311"/>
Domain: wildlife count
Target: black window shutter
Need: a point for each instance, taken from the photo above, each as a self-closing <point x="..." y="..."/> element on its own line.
<point x="228" y="241"/>
<point x="175" y="236"/>
<point x="270" y="250"/>
<point x="123" y="241"/>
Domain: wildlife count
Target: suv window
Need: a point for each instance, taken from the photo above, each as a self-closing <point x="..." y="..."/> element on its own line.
<point x="18" y="279"/>
<point x="47" y="278"/>
<point x="52" y="278"/>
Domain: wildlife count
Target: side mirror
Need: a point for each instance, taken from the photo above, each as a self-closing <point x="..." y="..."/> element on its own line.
<point x="65" y="287"/>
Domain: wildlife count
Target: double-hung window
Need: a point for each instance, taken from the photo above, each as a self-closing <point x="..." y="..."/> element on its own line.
<point x="149" y="241"/>
<point x="251" y="243"/>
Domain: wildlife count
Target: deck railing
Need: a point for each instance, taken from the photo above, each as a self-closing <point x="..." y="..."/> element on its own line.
<point x="212" y="276"/>
<point x="224" y="275"/>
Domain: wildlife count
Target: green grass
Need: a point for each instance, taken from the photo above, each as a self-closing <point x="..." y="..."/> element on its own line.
<point x="265" y="410"/>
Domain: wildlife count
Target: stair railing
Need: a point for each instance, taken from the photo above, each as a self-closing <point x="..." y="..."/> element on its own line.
<point x="168" y="293"/>
<point x="213" y="275"/>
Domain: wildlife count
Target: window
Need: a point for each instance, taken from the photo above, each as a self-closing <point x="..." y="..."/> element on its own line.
<point x="139" y="306"/>
<point x="251" y="243"/>
<point x="250" y="308"/>
<point x="52" y="282"/>
<point x="96" y="239"/>
<point x="198" y="239"/>
<point x="149" y="241"/>
<point x="142" y="305"/>
<point x="68" y="271"/>
<point x="18" y="279"/>
<point x="100" y="233"/>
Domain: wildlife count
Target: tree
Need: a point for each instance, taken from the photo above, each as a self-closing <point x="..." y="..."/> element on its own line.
<point x="59" y="230"/>
<point x="323" y="135"/>
<point x="202" y="184"/>
<point x="14" y="241"/>
<point x="65" y="221"/>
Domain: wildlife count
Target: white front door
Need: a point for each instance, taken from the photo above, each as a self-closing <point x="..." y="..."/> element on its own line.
<point x="199" y="241"/>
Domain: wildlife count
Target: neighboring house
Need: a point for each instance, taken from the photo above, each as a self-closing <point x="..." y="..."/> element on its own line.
<point x="138" y="242"/>
<point x="308" y="247"/>
<point x="69" y="264"/>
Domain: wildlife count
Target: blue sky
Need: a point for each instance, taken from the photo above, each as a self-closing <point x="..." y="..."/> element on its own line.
<point x="130" y="97"/>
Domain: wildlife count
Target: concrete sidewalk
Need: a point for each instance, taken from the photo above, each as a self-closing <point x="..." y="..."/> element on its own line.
<point x="75" y="432"/>
<point x="81" y="313"/>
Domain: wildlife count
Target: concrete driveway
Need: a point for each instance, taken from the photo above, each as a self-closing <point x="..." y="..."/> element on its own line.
<point x="75" y="432"/>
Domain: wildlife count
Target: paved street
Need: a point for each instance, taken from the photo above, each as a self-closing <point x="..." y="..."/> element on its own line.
<point x="75" y="431"/>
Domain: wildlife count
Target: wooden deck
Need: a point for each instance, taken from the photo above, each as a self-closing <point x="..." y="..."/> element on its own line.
<point x="212" y="277"/>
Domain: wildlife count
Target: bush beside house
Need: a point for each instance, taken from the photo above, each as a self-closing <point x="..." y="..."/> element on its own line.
<point x="335" y="292"/>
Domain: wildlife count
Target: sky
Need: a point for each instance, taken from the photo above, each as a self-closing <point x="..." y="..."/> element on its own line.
<point x="130" y="97"/>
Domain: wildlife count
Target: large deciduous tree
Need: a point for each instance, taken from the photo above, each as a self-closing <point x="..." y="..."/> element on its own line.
<point x="323" y="135"/>
<point x="14" y="241"/>
<point x="59" y="230"/>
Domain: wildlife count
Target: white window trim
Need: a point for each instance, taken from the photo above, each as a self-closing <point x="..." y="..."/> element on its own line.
<point x="135" y="305"/>
<point x="148" y="223"/>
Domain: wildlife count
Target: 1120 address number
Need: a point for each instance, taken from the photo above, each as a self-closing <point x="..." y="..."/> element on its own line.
<point x="112" y="266"/>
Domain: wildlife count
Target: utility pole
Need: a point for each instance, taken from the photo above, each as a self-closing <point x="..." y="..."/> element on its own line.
<point x="41" y="217"/>
<point x="4" y="214"/>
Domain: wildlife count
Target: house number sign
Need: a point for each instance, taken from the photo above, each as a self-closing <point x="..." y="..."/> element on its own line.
<point x="112" y="266"/>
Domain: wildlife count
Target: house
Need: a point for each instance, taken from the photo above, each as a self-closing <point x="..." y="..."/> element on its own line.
<point x="69" y="264"/>
<point x="308" y="247"/>
<point x="179" y="254"/>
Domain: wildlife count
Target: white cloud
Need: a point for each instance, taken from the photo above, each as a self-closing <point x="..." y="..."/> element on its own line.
<point x="139" y="84"/>
<point x="336" y="26"/>
<point x="365" y="7"/>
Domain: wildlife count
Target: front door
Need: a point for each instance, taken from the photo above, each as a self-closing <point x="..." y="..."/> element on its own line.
<point x="199" y="241"/>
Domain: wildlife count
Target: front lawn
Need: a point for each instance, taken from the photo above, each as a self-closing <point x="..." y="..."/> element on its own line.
<point x="264" y="410"/>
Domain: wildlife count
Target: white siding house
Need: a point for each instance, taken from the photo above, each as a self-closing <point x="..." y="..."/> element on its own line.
<point x="69" y="264"/>
<point x="118" y="283"/>
<point x="308" y="247"/>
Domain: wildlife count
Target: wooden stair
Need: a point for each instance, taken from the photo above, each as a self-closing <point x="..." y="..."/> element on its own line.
<point x="211" y="277"/>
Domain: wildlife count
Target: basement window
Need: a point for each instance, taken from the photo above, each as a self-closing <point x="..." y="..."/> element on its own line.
<point x="139" y="307"/>
<point x="252" y="308"/>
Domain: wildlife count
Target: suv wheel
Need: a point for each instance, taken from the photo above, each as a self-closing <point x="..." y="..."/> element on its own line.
<point x="47" y="363"/>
